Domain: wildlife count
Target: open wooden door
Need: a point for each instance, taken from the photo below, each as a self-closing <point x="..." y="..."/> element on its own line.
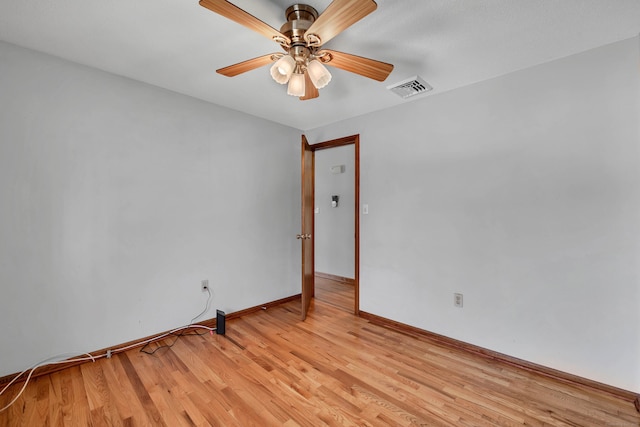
<point x="306" y="235"/>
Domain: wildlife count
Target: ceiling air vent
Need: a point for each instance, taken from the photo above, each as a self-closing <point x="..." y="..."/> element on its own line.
<point x="410" y="87"/>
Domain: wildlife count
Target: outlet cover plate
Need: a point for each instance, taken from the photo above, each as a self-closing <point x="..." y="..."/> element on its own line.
<point x="457" y="300"/>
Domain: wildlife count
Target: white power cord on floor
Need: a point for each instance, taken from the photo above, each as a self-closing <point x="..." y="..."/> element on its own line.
<point x="108" y="354"/>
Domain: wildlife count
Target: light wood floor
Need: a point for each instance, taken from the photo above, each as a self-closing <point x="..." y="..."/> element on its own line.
<point x="332" y="369"/>
<point x="336" y="293"/>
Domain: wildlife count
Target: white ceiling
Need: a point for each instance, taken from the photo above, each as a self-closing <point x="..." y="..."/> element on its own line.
<point x="178" y="45"/>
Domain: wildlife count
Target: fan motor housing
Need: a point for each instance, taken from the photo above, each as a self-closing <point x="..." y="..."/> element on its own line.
<point x="299" y="19"/>
<point x="300" y="12"/>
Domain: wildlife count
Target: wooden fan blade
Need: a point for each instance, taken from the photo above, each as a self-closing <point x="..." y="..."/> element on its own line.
<point x="339" y="16"/>
<point x="233" y="12"/>
<point x="248" y="65"/>
<point x="366" y="67"/>
<point x="310" y="91"/>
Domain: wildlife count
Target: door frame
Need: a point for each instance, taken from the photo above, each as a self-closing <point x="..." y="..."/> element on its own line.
<point x="340" y="142"/>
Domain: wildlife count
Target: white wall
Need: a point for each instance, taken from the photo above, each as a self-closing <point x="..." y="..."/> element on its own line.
<point x="118" y="198"/>
<point x="521" y="193"/>
<point x="335" y="227"/>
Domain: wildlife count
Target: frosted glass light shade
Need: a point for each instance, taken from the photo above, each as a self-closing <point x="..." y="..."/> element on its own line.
<point x="319" y="74"/>
<point x="296" y="85"/>
<point x="283" y="68"/>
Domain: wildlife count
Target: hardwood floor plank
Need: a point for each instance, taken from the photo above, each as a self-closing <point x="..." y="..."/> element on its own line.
<point x="338" y="294"/>
<point x="79" y="402"/>
<point x="60" y="408"/>
<point x="151" y="411"/>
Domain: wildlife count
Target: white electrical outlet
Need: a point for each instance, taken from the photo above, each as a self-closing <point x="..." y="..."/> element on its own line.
<point x="457" y="300"/>
<point x="204" y="285"/>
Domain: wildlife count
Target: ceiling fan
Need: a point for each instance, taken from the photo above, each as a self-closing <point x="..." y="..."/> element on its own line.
<point x="302" y="37"/>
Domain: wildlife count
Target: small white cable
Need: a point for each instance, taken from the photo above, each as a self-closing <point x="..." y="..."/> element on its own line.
<point x="206" y="307"/>
<point x="159" y="337"/>
<point x="36" y="366"/>
<point x="109" y="353"/>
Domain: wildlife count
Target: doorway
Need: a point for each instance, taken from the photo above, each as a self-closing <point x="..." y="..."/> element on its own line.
<point x="336" y="222"/>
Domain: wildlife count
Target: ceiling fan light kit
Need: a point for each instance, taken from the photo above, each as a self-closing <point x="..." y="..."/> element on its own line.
<point x="282" y="69"/>
<point x="301" y="38"/>
<point x="296" y="85"/>
<point x="318" y="73"/>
